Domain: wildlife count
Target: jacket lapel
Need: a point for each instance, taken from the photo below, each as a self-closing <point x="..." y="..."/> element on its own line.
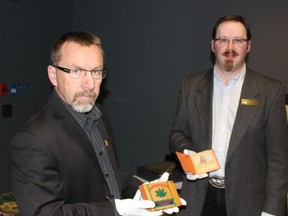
<point x="248" y="106"/>
<point x="204" y="107"/>
<point x="80" y="138"/>
<point x="71" y="126"/>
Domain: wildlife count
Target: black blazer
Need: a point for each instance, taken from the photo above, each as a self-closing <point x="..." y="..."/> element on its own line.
<point x="54" y="170"/>
<point x="256" y="171"/>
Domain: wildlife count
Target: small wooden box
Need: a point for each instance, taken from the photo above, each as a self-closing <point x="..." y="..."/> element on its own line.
<point x="164" y="194"/>
<point x="201" y="162"/>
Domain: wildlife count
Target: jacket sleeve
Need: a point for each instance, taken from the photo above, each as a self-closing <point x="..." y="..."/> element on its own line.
<point x="277" y="156"/>
<point x="36" y="182"/>
<point x="180" y="135"/>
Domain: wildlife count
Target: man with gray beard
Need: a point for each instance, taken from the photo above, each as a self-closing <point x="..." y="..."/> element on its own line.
<point x="63" y="160"/>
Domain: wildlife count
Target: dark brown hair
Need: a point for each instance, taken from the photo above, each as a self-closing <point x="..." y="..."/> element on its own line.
<point x="233" y="18"/>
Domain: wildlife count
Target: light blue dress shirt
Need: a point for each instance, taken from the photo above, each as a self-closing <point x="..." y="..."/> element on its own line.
<point x="225" y="104"/>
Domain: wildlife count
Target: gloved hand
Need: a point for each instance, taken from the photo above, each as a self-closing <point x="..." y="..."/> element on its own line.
<point x="138" y="206"/>
<point x="131" y="207"/>
<point x="174" y="209"/>
<point x="191" y="176"/>
<point x="163" y="178"/>
<point x="266" y="214"/>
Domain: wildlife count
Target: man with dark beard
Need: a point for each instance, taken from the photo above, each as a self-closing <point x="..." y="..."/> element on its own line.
<point x="240" y="114"/>
<point x="63" y="160"/>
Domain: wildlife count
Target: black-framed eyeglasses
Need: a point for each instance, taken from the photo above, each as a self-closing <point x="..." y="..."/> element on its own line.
<point x="80" y="73"/>
<point x="235" y="41"/>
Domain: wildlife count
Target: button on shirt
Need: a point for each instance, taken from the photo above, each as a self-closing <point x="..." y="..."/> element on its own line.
<point x="225" y="104"/>
<point x="90" y="121"/>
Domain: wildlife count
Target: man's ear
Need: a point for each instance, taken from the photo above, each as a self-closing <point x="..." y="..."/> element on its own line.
<point x="212" y="45"/>
<point x="248" y="46"/>
<point x="52" y="75"/>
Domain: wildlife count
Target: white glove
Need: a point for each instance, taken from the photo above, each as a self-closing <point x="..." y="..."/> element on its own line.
<point x="175" y="209"/>
<point x="138" y="196"/>
<point x="136" y="206"/>
<point x="163" y="178"/>
<point x="131" y="207"/>
<point x="266" y="214"/>
<point x="191" y="176"/>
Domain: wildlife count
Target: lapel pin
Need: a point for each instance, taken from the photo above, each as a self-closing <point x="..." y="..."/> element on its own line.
<point x="107" y="141"/>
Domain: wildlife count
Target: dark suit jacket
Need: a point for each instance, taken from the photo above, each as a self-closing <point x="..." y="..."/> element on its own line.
<point x="54" y="170"/>
<point x="256" y="171"/>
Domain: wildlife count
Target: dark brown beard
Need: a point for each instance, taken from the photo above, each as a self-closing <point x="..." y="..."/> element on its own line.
<point x="228" y="65"/>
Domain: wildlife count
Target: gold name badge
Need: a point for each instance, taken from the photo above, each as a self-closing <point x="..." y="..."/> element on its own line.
<point x="249" y="102"/>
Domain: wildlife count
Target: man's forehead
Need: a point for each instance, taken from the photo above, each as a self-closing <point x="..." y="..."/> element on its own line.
<point x="229" y="27"/>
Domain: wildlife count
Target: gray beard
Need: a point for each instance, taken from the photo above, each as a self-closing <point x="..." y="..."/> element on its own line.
<point x="83" y="108"/>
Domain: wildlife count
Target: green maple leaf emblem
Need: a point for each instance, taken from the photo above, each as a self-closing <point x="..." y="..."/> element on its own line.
<point x="161" y="193"/>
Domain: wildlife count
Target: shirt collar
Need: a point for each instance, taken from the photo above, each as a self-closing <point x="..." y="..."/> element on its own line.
<point x="234" y="80"/>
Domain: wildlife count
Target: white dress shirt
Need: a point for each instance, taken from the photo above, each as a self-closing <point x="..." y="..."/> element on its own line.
<point x="225" y="104"/>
